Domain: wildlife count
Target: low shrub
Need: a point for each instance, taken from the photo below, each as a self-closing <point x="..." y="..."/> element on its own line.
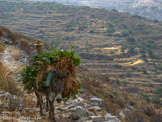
<point x="7" y="84"/>
<point x="2" y="46"/>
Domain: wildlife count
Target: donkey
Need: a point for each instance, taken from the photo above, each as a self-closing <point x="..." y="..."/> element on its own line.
<point x="54" y="91"/>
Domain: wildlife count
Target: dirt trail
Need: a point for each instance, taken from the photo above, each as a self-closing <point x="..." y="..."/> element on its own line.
<point x="10" y="59"/>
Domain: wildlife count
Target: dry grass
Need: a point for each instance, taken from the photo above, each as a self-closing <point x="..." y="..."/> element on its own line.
<point x="25" y="45"/>
<point x="7" y="84"/>
<point x="2" y="46"/>
<point x="136" y="116"/>
<point x="72" y="83"/>
<point x="14" y="51"/>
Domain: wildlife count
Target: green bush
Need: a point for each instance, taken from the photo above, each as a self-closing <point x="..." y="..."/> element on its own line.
<point x="29" y="74"/>
<point x="131" y="39"/>
<point x="110" y="25"/>
<point x="91" y="31"/>
<point x="110" y="30"/>
<point x="123" y="48"/>
<point x="156" y="100"/>
<point x="132" y="50"/>
<point x="117" y="82"/>
<point x="112" y="52"/>
<point x="125" y="33"/>
<point x="82" y="27"/>
<point x="118" y="66"/>
<point x="158" y="92"/>
<point x="108" y="34"/>
<point x="144" y="70"/>
<point x="93" y="16"/>
<point x="159" y="67"/>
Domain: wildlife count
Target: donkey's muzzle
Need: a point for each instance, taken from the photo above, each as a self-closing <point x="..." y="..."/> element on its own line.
<point x="58" y="98"/>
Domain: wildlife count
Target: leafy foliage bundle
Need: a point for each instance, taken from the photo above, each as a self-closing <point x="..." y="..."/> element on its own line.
<point x="52" y="58"/>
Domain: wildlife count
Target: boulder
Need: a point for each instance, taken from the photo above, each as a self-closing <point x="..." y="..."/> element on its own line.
<point x="97" y="118"/>
<point x="97" y="108"/>
<point x="11" y="101"/>
<point x="6" y="41"/>
<point x="112" y="95"/>
<point x="98" y="100"/>
<point x="111" y="118"/>
<point x="79" y="112"/>
<point x="121" y="114"/>
<point x="130" y="107"/>
<point x="63" y="108"/>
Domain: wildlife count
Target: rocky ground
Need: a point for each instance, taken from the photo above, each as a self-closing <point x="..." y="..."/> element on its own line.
<point x="13" y="108"/>
<point x="77" y="110"/>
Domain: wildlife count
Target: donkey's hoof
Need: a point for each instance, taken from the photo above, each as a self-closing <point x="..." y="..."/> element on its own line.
<point x="42" y="114"/>
<point x="38" y="104"/>
<point x="47" y="109"/>
<point x="52" y="118"/>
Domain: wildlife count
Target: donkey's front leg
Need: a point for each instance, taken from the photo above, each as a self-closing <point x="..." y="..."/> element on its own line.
<point x="38" y="102"/>
<point x="39" y="97"/>
<point x="47" y="102"/>
<point x="51" y="112"/>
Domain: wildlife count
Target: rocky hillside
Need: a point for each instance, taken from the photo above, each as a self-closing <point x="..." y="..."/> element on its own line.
<point x="150" y="9"/>
<point x="13" y="38"/>
<point x="97" y="101"/>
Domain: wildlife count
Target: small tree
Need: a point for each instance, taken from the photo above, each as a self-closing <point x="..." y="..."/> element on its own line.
<point x="82" y="27"/>
<point x="110" y="30"/>
<point x="91" y="31"/>
<point x="125" y="33"/>
<point x="123" y="48"/>
<point x="131" y="39"/>
<point x="132" y="50"/>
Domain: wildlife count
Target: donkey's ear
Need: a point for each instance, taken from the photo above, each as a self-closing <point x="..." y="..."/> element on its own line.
<point x="67" y="74"/>
<point x="54" y="70"/>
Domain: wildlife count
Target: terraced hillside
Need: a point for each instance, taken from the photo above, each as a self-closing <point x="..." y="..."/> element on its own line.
<point x="125" y="47"/>
<point x="151" y="9"/>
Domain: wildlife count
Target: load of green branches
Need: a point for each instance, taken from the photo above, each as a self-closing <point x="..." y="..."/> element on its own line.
<point x="62" y="60"/>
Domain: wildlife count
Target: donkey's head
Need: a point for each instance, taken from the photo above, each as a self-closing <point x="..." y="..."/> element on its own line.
<point x="59" y="84"/>
<point x="59" y="88"/>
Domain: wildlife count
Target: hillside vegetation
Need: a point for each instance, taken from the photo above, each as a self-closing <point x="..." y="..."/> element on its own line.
<point x="125" y="47"/>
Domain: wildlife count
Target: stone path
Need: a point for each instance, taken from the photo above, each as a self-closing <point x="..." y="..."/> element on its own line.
<point x="74" y="110"/>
